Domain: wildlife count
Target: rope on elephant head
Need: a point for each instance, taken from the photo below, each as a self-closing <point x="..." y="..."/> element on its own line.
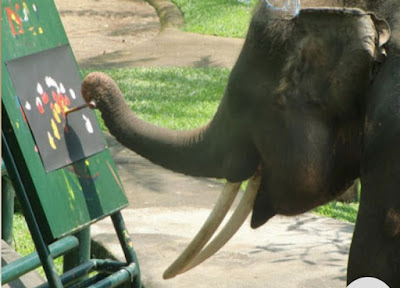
<point x="290" y="6"/>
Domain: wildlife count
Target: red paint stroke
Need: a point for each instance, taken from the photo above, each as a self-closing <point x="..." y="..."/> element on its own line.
<point x="67" y="101"/>
<point x="51" y="106"/>
<point x="60" y="100"/>
<point x="54" y="94"/>
<point x="13" y="18"/>
<point x="45" y="98"/>
<point x="23" y="114"/>
<point x="39" y="105"/>
<point x="61" y="105"/>
<point x="17" y="21"/>
<point x="83" y="175"/>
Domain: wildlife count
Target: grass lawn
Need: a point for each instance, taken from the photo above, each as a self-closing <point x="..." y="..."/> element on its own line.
<point x="23" y="242"/>
<point x="337" y="210"/>
<point x="229" y="18"/>
<point x="176" y="98"/>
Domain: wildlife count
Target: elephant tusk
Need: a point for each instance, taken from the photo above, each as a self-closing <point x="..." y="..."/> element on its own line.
<point x="209" y="227"/>
<point x="235" y="222"/>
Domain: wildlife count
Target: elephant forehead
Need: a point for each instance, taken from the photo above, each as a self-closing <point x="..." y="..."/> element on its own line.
<point x="318" y="38"/>
<point x="350" y="28"/>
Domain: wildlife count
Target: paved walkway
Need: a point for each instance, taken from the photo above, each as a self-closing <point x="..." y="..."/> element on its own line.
<point x="171" y="48"/>
<point x="126" y="33"/>
<point x="31" y="279"/>
<point x="166" y="209"/>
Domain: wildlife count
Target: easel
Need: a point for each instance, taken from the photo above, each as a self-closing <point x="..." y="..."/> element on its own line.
<point x="61" y="204"/>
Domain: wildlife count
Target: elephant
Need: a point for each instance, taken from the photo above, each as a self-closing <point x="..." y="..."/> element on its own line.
<point x="311" y="104"/>
<point x="378" y="219"/>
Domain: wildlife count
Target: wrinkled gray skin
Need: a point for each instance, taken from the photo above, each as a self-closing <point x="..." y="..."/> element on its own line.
<point x="375" y="249"/>
<point x="311" y="103"/>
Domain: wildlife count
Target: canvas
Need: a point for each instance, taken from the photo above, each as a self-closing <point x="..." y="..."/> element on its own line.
<point x="47" y="85"/>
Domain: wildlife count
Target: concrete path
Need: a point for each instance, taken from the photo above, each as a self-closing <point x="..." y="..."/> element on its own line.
<point x="31" y="279"/>
<point x="166" y="209"/>
<point x="123" y="33"/>
<point x="171" y="48"/>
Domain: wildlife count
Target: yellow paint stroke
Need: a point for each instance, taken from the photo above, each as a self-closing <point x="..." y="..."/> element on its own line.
<point x="56" y="115"/>
<point x="70" y="191"/>
<point x="55" y="129"/>
<point x="69" y="188"/>
<point x="40" y="30"/>
<point x="127" y="238"/>
<point x="57" y="108"/>
<point x="115" y="176"/>
<point x="17" y="124"/>
<point x="51" y="141"/>
<point x="87" y="162"/>
<point x="25" y="7"/>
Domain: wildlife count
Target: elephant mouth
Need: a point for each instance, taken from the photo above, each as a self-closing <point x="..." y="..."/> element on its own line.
<point x="198" y="250"/>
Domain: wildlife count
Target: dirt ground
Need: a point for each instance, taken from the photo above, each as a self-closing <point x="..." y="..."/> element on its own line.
<point x="127" y="33"/>
<point x="102" y="27"/>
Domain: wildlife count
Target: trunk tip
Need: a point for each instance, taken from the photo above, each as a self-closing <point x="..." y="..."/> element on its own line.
<point x="94" y="86"/>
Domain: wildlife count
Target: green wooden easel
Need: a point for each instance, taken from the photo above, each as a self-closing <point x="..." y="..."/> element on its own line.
<point x="59" y="204"/>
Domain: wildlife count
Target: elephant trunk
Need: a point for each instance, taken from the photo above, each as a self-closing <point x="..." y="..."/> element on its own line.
<point x="194" y="152"/>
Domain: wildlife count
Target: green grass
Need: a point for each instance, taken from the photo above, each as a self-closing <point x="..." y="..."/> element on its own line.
<point x="22" y="239"/>
<point x="229" y="18"/>
<point x="176" y="98"/>
<point x="23" y="242"/>
<point x="337" y="210"/>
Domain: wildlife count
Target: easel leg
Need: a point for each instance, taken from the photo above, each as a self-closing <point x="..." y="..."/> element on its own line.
<point x="126" y="244"/>
<point x="41" y="247"/>
<point x="7" y="209"/>
<point x="81" y="254"/>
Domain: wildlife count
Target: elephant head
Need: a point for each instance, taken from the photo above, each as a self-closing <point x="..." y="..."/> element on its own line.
<point x="291" y="119"/>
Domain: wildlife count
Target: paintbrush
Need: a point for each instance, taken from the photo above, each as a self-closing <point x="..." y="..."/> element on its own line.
<point x="91" y="105"/>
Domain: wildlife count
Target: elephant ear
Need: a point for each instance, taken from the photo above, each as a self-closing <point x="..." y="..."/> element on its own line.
<point x="384" y="32"/>
<point x="325" y="73"/>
